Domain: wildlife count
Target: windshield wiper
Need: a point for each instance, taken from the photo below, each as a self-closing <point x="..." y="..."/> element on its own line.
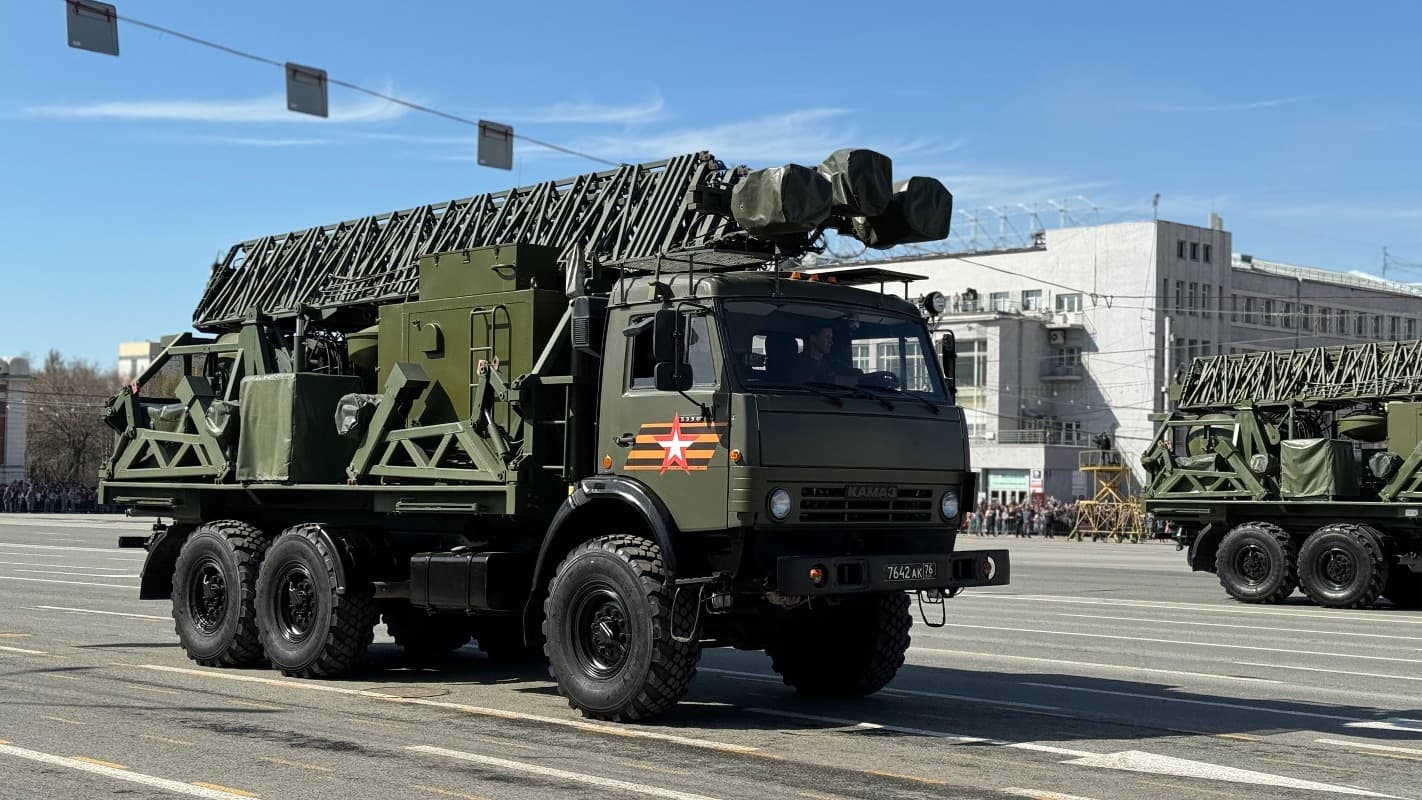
<point x="826" y="395"/>
<point x="856" y="390"/>
<point x="920" y="398"/>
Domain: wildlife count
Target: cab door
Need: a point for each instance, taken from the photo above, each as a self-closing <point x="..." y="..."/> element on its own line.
<point x="673" y="442"/>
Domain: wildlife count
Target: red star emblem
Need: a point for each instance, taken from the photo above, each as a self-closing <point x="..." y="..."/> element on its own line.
<point x="675" y="447"/>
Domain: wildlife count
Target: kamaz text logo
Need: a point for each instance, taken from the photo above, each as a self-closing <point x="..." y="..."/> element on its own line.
<point x="871" y="492"/>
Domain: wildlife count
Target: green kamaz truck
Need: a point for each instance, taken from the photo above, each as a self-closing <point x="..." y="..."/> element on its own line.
<point x="601" y="420"/>
<point x="1292" y="469"/>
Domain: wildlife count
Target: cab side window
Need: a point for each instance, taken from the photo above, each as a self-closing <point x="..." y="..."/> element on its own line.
<point x="698" y="352"/>
<point x="641" y="367"/>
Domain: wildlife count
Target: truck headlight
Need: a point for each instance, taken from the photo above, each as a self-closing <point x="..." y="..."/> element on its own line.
<point x="779" y="504"/>
<point x="948" y="506"/>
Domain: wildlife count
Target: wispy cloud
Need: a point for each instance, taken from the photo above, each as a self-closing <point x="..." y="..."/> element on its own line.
<point x="1349" y="211"/>
<point x="584" y="112"/>
<point x="265" y="109"/>
<point x="258" y="141"/>
<point x="1250" y="105"/>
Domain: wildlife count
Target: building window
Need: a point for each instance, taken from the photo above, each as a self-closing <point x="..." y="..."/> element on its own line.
<point x="1180" y="248"/>
<point x="1205" y="299"/>
<point x="1179" y="295"/>
<point x="1360" y="323"/>
<point x="1032" y="300"/>
<point x="1234" y="308"/>
<point x="1286" y="317"/>
<point x="1205" y="347"/>
<point x="1268" y="315"/>
<point x="1165" y="294"/>
<point x="859" y="355"/>
<point x="1340" y="321"/>
<point x="1208" y="253"/>
<point x="1248" y="311"/>
<point x="1194" y="251"/>
<point x="1194" y="290"/>
<point x="1377" y="326"/>
<point x="1000" y="301"/>
<point x="1067" y="303"/>
<point x="1306" y="318"/>
<point x="1068" y="356"/>
<point x="972" y="363"/>
<point x="1394" y="328"/>
<point x="1411" y="328"/>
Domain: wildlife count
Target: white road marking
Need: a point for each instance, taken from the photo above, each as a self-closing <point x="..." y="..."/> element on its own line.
<point x="1370" y="746"/>
<point x="1186" y="700"/>
<point x="956" y="737"/>
<point x="615" y="730"/>
<point x="23" y="650"/>
<point x="109" y="550"/>
<point x="1394" y="724"/>
<point x="1120" y="667"/>
<point x="1080" y="634"/>
<point x="757" y="677"/>
<point x="1137" y="761"/>
<point x="177" y="787"/>
<point x="1332" y="671"/>
<point x="1038" y="794"/>
<point x="77" y="574"/>
<point x="105" y="613"/>
<point x="562" y="774"/>
<point x="127" y="586"/>
<point x="1245" y="627"/>
<point x="1310" y="614"/>
<point x="70" y="566"/>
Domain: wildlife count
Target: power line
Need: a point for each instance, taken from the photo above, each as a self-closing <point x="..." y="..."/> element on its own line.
<point x="348" y="85"/>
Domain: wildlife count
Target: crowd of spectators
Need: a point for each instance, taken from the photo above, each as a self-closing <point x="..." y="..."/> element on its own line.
<point x="50" y="497"/>
<point x="1042" y="516"/>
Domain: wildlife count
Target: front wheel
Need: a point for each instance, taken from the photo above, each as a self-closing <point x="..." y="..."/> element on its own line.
<point x="309" y="628"/>
<point x="1257" y="563"/>
<point x="608" y="627"/>
<point x="1343" y="566"/>
<point x="847" y="650"/>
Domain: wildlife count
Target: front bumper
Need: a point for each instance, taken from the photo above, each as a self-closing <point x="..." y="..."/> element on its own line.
<point x="883" y="573"/>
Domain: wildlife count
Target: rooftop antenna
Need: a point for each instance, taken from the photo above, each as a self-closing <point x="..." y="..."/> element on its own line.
<point x="973" y="218"/>
<point x="1036" y="220"/>
<point x="1155" y="207"/>
<point x="1002" y="226"/>
<point x="1064" y="214"/>
<point x="1094" y="210"/>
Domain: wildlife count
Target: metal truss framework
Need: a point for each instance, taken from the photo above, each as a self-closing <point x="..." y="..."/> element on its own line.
<point x="633" y="212"/>
<point x="1343" y="373"/>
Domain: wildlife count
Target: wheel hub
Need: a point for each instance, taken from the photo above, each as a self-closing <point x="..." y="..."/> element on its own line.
<point x="600" y="632"/>
<point x="1253" y="563"/>
<point x="207" y="596"/>
<point x="296" y="603"/>
<point x="1337" y="567"/>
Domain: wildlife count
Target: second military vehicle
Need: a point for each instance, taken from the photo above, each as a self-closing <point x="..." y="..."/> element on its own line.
<point x="598" y="419"/>
<point x="1293" y="469"/>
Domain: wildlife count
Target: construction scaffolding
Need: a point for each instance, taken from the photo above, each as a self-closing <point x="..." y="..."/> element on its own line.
<point x="1110" y="513"/>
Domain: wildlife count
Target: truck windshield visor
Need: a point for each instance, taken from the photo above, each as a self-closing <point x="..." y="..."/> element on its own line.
<point x="790" y="345"/>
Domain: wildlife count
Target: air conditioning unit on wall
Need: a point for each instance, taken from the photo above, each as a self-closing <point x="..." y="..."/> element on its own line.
<point x="1056" y="337"/>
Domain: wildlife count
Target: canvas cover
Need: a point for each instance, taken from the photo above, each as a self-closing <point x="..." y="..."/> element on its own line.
<point x="221" y="420"/>
<point x="781" y="202"/>
<point x="167" y="418"/>
<point x="921" y="210"/>
<point x="1317" y="469"/>
<point x="862" y="181"/>
<point x="286" y="428"/>
<point x="353" y="413"/>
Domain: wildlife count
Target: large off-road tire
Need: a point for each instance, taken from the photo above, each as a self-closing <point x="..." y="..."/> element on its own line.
<point x="424" y="635"/>
<point x="608" y="630"/>
<point x="214" y="590"/>
<point x="309" y="630"/>
<point x="1343" y="566"/>
<point x="501" y="639"/>
<point x="1404" y="587"/>
<point x="1257" y="562"/>
<point x="851" y="649"/>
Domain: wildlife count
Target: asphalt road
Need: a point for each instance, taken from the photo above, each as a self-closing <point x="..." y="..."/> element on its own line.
<point x="1105" y="671"/>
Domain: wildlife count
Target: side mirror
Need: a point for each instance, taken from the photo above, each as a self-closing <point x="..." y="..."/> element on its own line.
<point x="672" y="377"/>
<point x="668" y="336"/>
<point x="948" y="354"/>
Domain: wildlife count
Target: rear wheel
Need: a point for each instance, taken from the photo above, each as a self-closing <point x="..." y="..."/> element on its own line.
<point x="1257" y="563"/>
<point x="1404" y="587"/>
<point x="214" y="586"/>
<point x="609" y="621"/>
<point x="1343" y="566"/>
<point x="424" y="635"/>
<point x="309" y="628"/>
<point x="851" y="649"/>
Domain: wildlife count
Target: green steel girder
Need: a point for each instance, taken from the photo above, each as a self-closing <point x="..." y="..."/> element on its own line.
<point x="1340" y="374"/>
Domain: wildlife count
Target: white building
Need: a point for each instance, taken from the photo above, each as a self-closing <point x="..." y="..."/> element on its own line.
<point x="134" y="358"/>
<point x="15" y="379"/>
<point x="1080" y="334"/>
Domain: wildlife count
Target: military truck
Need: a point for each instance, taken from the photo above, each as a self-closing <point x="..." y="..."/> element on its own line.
<point x="1290" y="469"/>
<point x="603" y="420"/>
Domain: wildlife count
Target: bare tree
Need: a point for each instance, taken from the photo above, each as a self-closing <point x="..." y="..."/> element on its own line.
<point x="67" y="440"/>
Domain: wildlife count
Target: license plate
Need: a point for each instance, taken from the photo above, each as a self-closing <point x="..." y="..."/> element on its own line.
<point x="911" y="572"/>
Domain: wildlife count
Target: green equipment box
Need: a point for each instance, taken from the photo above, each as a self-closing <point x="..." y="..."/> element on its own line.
<point x="277" y="411"/>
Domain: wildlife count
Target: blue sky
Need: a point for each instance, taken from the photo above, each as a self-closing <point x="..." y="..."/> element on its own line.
<point x="121" y="179"/>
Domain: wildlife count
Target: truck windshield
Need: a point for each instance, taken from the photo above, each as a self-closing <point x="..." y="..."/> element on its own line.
<point x="779" y="345"/>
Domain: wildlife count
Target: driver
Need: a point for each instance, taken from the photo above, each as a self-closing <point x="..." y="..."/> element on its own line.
<point x="815" y="363"/>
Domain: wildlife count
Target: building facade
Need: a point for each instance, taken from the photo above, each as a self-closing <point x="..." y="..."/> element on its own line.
<point x="135" y="357"/>
<point x="1080" y="335"/>
<point x="15" y="380"/>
